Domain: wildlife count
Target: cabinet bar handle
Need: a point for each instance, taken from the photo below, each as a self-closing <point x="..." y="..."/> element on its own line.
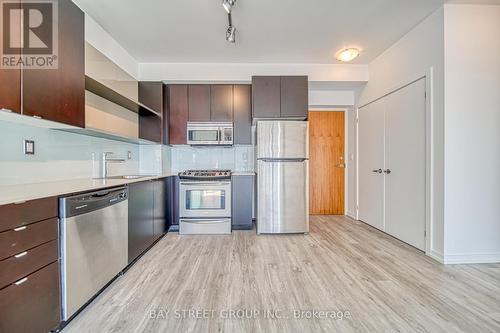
<point x="20" y="228"/>
<point x="22" y="254"/>
<point x="21" y="281"/>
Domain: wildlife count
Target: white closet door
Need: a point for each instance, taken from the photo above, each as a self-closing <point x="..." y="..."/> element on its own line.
<point x="371" y="157"/>
<point x="405" y="157"/>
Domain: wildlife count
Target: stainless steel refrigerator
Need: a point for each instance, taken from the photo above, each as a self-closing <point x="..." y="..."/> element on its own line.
<point x="283" y="177"/>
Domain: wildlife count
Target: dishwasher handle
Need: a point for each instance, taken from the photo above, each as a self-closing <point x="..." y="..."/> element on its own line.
<point x="88" y="202"/>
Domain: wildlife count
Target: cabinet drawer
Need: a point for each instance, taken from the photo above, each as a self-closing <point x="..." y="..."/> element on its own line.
<point x="25" y="263"/>
<point x="15" y="215"/>
<point x="26" y="237"/>
<point x="31" y="304"/>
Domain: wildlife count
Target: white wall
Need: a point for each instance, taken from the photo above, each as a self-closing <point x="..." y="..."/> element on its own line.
<point x="104" y="42"/>
<point x="242" y="72"/>
<point x="472" y="133"/>
<point x="412" y="57"/>
<point x="351" y="157"/>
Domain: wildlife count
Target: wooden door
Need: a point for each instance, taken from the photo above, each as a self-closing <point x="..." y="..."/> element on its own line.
<point x="59" y="94"/>
<point x="327" y="165"/>
<point x="177" y="113"/>
<point x="242" y="114"/>
<point x="371" y="164"/>
<point x="294" y="97"/>
<point x="266" y="96"/>
<point x="221" y="102"/>
<point x="199" y="102"/>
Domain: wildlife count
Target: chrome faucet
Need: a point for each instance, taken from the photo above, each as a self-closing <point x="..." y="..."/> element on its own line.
<point x="105" y="160"/>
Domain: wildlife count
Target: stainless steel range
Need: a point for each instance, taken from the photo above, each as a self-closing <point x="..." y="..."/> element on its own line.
<point x="205" y="202"/>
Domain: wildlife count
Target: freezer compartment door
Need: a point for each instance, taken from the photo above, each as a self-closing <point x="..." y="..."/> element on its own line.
<point x="283" y="197"/>
<point x="282" y="139"/>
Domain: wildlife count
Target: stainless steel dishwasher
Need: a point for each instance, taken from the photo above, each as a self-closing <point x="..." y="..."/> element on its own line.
<point x="94" y="244"/>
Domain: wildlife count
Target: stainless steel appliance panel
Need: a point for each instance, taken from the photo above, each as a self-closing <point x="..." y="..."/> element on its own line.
<point x="205" y="226"/>
<point x="282" y="140"/>
<point x="283" y="197"/>
<point x="210" y="133"/>
<point x="205" y="199"/>
<point x="94" y="245"/>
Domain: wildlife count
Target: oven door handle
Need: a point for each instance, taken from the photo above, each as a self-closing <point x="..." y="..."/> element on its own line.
<point x="205" y="183"/>
<point x="204" y="221"/>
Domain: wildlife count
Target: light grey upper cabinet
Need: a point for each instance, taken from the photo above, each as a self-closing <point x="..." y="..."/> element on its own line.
<point x="280" y="97"/>
<point x="266" y="96"/>
<point x="294" y="96"/>
<point x="242" y="114"/>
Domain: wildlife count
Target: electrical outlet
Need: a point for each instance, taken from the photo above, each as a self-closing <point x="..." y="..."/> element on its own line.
<point x="29" y="147"/>
<point x="129" y="155"/>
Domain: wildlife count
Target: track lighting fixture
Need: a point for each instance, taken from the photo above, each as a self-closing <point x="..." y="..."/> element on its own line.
<point x="231" y="30"/>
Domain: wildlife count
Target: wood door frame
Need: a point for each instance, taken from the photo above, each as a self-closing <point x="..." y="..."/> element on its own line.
<point x="430" y="167"/>
<point x="346" y="145"/>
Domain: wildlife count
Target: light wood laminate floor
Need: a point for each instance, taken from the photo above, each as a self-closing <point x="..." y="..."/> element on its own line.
<point x="342" y="265"/>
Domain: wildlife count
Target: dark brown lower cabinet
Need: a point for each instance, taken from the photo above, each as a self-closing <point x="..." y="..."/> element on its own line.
<point x="160" y="208"/>
<point x="31" y="305"/>
<point x="140" y="218"/>
<point x="146" y="215"/>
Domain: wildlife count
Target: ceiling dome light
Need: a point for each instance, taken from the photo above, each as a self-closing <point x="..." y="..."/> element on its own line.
<point x="228" y="4"/>
<point x="231" y="34"/>
<point x="348" y="54"/>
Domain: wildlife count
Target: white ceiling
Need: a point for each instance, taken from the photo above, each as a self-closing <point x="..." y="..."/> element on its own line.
<point x="272" y="31"/>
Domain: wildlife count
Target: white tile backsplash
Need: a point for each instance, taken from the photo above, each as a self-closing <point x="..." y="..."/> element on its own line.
<point x="236" y="158"/>
<point x="62" y="155"/>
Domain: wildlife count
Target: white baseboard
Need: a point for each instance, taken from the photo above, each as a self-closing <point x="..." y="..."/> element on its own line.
<point x="351" y="215"/>
<point x="472" y="258"/>
<point x="438" y="256"/>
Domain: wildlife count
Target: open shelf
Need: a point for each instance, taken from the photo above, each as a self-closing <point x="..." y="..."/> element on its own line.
<point x="111" y="95"/>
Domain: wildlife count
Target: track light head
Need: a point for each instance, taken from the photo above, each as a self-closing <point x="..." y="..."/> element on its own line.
<point x="231" y="34"/>
<point x="228" y="5"/>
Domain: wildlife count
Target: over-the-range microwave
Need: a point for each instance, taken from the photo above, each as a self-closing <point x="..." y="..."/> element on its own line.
<point x="210" y="134"/>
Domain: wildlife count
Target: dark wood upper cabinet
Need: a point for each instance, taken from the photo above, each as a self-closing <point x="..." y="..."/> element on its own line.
<point x="242" y="114"/>
<point x="199" y="102"/>
<point x="151" y="124"/>
<point x="266" y="96"/>
<point x="178" y="113"/>
<point x="294" y="96"/>
<point x="10" y="89"/>
<point x="59" y="94"/>
<point x="166" y="116"/>
<point x="151" y="95"/>
<point x="10" y="83"/>
<point x="221" y="102"/>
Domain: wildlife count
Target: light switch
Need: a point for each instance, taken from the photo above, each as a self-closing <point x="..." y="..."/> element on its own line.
<point x="29" y="147"/>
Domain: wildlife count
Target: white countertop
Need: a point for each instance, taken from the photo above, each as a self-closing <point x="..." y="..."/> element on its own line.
<point x="24" y="192"/>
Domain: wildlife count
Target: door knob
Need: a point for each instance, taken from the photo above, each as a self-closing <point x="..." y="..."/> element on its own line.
<point x="387" y="171"/>
<point x="377" y="171"/>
